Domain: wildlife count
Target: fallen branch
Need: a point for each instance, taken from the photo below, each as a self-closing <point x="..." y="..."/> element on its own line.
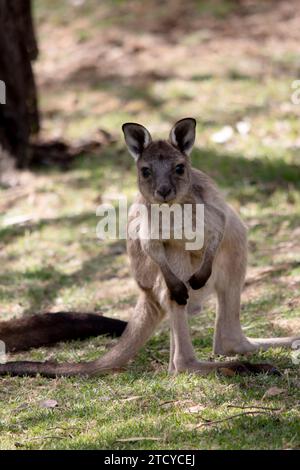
<point x="228" y="418"/>
<point x="135" y="439"/>
<point x="40" y="438"/>
<point x="267" y="408"/>
<point x="62" y="153"/>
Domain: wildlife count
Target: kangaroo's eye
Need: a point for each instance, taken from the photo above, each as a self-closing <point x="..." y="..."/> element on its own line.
<point x="146" y="172"/>
<point x="179" y="169"/>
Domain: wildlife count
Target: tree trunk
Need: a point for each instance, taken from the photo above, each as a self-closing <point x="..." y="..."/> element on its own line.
<point x="19" y="117"/>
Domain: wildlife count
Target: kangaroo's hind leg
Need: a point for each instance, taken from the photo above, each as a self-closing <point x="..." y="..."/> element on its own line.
<point x="229" y="338"/>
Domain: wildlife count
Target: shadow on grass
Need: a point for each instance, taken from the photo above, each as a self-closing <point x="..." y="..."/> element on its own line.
<point x="46" y="283"/>
<point x="237" y="171"/>
<point x="7" y="234"/>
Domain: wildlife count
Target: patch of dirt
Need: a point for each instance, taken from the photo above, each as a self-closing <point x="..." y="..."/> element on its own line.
<point x="158" y="41"/>
<point x="289" y="326"/>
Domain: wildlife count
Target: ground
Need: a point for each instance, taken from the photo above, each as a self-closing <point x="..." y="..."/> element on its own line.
<point x="104" y="63"/>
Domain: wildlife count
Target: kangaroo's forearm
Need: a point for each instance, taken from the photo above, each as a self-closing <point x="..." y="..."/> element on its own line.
<point x="177" y="288"/>
<point x="214" y="233"/>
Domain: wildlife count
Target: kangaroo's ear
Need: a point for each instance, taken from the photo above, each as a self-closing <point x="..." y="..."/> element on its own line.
<point x="137" y="138"/>
<point x="183" y="135"/>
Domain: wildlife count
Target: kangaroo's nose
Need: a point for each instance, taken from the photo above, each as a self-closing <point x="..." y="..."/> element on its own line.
<point x="164" y="191"/>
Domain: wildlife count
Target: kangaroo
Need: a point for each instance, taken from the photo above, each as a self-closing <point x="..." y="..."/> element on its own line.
<point x="174" y="281"/>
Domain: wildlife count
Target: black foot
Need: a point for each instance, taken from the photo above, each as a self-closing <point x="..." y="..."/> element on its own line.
<point x="247" y="368"/>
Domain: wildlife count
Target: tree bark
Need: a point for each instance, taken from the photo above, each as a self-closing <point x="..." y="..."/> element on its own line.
<point x="19" y="117"/>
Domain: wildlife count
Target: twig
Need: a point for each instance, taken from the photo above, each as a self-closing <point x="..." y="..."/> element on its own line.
<point x="254" y="407"/>
<point x="134" y="439"/>
<point x="63" y="428"/>
<point x="41" y="438"/>
<point x="209" y="423"/>
<point x="154" y="358"/>
<point x="168" y="402"/>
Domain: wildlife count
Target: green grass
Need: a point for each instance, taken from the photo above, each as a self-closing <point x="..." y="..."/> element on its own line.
<point x="55" y="262"/>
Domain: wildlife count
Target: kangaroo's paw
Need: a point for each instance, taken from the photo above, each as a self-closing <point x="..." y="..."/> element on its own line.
<point x="266" y="343"/>
<point x="227" y="368"/>
<point x="198" y="280"/>
<point x="242" y="345"/>
<point x="179" y="293"/>
<point x="231" y="346"/>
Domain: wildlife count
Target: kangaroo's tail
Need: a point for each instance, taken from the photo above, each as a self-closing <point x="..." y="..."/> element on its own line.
<point x="50" y="328"/>
<point x="146" y="317"/>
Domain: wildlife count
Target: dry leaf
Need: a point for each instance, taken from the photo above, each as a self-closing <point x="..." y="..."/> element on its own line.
<point x="48" y="404"/>
<point x="273" y="392"/>
<point x="195" y="409"/>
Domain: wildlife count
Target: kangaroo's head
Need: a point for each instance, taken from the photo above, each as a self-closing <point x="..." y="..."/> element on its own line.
<point x="163" y="166"/>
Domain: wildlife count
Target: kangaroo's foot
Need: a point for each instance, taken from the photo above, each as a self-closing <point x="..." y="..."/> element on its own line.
<point x="229" y="346"/>
<point x="225" y="368"/>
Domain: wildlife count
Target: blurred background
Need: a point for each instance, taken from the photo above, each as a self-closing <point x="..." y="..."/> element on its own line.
<point x="96" y="64"/>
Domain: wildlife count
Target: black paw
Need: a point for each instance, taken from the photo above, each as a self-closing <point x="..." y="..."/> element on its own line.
<point x="196" y="282"/>
<point x="179" y="293"/>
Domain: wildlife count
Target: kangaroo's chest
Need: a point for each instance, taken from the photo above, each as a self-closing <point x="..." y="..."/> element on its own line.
<point x="183" y="262"/>
<point x="182" y="223"/>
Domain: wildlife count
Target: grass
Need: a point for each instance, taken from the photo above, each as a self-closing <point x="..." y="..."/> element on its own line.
<point x="55" y="262"/>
